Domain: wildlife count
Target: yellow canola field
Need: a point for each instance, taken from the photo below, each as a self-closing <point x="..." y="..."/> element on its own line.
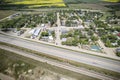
<point x="38" y="3"/>
<point x="111" y="0"/>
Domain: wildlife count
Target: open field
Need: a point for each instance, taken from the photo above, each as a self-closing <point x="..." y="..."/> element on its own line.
<point x="88" y="6"/>
<point x="39" y="3"/>
<point x="46" y="66"/>
<point x="89" y="1"/>
<point x="30" y="4"/>
<point x="36" y="3"/>
<point x="6" y="13"/>
<point x="104" y="5"/>
<point x="111" y="0"/>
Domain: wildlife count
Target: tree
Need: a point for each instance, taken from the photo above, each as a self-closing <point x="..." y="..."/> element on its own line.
<point x="93" y="38"/>
<point x="108" y="44"/>
<point x="53" y="33"/>
<point x="112" y="38"/>
<point x="118" y="54"/>
<point x="44" y="34"/>
<point x="118" y="42"/>
<point x="90" y="32"/>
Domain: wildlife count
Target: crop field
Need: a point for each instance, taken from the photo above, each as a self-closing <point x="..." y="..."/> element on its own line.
<point x="89" y="1"/>
<point x="112" y="0"/>
<point x="79" y="1"/>
<point x="41" y="3"/>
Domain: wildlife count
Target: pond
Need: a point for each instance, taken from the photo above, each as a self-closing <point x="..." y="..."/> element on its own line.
<point x="95" y="48"/>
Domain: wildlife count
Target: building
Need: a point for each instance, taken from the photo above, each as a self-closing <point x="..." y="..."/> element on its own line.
<point x="36" y="33"/>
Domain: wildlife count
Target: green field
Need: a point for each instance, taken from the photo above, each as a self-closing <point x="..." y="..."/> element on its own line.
<point x="112" y="0"/>
<point x="104" y="5"/>
<point x="23" y="4"/>
<point x="89" y="1"/>
<point x="14" y="5"/>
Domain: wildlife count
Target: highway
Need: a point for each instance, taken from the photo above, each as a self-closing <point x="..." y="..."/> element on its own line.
<point x="63" y="53"/>
<point x="59" y="64"/>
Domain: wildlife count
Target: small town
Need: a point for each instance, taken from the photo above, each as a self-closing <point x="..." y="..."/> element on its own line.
<point x="84" y="29"/>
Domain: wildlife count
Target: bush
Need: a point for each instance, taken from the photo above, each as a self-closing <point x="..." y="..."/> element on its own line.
<point x="118" y="54"/>
<point x="44" y="34"/>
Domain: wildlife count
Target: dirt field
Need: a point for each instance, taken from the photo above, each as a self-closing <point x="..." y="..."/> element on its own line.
<point x="5" y="13"/>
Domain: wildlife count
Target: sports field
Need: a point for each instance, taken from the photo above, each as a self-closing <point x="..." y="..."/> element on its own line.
<point x="40" y="3"/>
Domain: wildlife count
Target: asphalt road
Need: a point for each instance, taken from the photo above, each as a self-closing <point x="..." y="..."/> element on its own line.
<point x="63" y="53"/>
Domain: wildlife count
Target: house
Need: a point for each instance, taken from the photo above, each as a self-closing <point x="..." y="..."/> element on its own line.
<point x="42" y="25"/>
<point x="50" y="38"/>
<point x="118" y="34"/>
<point x="62" y="22"/>
<point x="64" y="39"/>
<point x="114" y="44"/>
<point x="64" y="31"/>
<point x="81" y="26"/>
<point x="34" y="32"/>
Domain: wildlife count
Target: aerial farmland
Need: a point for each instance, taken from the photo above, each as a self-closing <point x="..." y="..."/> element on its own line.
<point x="40" y="3"/>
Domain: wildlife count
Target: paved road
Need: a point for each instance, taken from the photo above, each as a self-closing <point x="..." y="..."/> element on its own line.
<point x="57" y="31"/>
<point x="63" y="53"/>
<point x="59" y="64"/>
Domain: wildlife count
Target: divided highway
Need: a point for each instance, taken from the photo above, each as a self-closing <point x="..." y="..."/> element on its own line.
<point x="63" y="53"/>
<point x="59" y="64"/>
